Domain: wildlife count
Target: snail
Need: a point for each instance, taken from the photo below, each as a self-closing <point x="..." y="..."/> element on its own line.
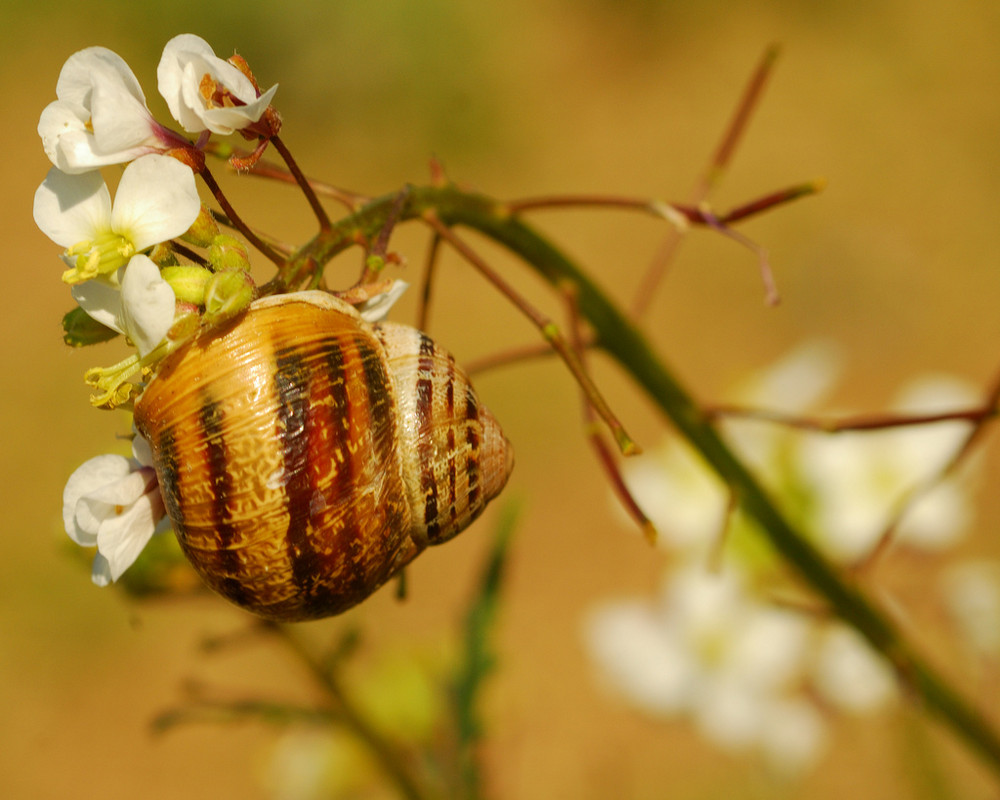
<point x="306" y="456"/>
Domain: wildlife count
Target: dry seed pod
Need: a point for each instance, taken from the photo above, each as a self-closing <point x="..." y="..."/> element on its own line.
<point x="305" y="456"/>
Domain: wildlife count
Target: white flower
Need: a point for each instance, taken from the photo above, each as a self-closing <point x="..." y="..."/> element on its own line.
<point x="793" y="737"/>
<point x="156" y="201"/>
<point x="143" y="308"/>
<point x="793" y="384"/>
<point x="685" y="500"/>
<point x="100" y="117"/>
<point x="857" y="478"/>
<point x="849" y="674"/>
<point x="205" y="92"/>
<point x="376" y="308"/>
<point x="710" y="652"/>
<point x="113" y="502"/>
<point x="638" y="655"/>
<point x="972" y="594"/>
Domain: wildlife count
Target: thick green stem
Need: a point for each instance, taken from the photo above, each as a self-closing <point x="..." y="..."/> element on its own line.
<point x="617" y="336"/>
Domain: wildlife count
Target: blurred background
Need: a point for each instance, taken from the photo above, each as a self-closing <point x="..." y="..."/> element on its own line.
<point x="896" y="103"/>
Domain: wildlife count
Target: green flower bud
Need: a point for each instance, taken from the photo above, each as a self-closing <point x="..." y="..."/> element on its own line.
<point x="227" y="294"/>
<point x="188" y="282"/>
<point x="228" y="253"/>
<point x="163" y="255"/>
<point x="203" y="230"/>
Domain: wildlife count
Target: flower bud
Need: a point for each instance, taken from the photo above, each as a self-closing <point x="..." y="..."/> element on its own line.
<point x="227" y="294"/>
<point x="203" y="230"/>
<point x="228" y="253"/>
<point x="188" y="282"/>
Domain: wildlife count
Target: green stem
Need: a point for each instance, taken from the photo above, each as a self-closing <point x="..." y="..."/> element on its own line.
<point x="625" y="343"/>
<point x="393" y="762"/>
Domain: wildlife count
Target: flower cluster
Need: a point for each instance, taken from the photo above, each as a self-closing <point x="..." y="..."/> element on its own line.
<point x="714" y="647"/>
<point x="122" y="267"/>
<point x="121" y="256"/>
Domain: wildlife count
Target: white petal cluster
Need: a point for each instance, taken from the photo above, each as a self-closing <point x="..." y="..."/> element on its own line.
<point x="114" y="503"/>
<point x="156" y="201"/>
<point x="708" y="651"/>
<point x="100" y="118"/>
<point x="857" y="478"/>
<point x="205" y="93"/>
<point x="712" y="648"/>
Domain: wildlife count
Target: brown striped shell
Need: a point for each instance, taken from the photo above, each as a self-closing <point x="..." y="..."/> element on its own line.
<point x="305" y="456"/>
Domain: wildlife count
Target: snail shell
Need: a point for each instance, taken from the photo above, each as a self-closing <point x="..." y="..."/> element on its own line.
<point x="305" y="456"/>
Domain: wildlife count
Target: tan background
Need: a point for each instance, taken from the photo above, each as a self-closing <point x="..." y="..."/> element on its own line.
<point x="897" y="103"/>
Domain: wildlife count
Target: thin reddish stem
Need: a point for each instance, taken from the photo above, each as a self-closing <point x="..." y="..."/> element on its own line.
<point x="304" y="184"/>
<point x="594" y="433"/>
<point x="547" y="328"/>
<point x="236" y="221"/>
<point x="748" y="102"/>
<point x="428" y="285"/>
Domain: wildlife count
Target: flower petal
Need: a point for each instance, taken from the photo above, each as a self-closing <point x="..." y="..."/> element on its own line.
<point x="121" y="122"/>
<point x="101" y="301"/>
<point x="77" y="77"/>
<point x="100" y="571"/>
<point x="851" y="675"/>
<point x="72" y="208"/>
<point x="148" y="304"/>
<point x="141" y="451"/>
<point x="123" y="536"/>
<point x="100" y="117"/>
<point x="640" y="657"/>
<point x="228" y="119"/>
<point x="793" y="737"/>
<point x="122" y="492"/>
<point x="186" y="60"/>
<point x="376" y="308"/>
<point x="90" y="476"/>
<point x="156" y="200"/>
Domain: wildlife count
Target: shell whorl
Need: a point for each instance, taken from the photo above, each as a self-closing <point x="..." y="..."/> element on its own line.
<point x="454" y="456"/>
<point x="296" y="469"/>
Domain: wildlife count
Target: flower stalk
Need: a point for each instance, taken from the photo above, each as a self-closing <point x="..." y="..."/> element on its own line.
<point x="623" y="341"/>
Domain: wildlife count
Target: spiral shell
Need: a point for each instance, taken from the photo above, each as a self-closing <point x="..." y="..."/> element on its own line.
<point x="305" y="456"/>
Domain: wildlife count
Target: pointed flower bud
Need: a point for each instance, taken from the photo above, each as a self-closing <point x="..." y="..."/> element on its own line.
<point x="228" y="253"/>
<point x="203" y="230"/>
<point x="227" y="294"/>
<point x="188" y="282"/>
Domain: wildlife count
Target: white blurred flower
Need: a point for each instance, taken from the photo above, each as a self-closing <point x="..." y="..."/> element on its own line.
<point x="204" y="92"/>
<point x="114" y="503"/>
<point x="748" y="675"/>
<point x="858" y="477"/>
<point x="794" y="736"/>
<point x="849" y="674"/>
<point x="792" y="385"/>
<point x="709" y="652"/>
<point x="972" y="595"/>
<point x="100" y="116"/>
<point x="685" y="500"/>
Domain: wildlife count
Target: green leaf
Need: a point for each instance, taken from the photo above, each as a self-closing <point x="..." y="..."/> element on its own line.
<point x="80" y="330"/>
<point x="479" y="659"/>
